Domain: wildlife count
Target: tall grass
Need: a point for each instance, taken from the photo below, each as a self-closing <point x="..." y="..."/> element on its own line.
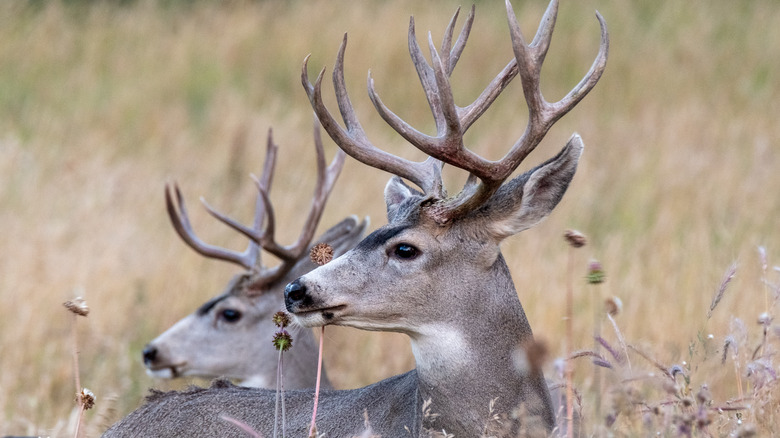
<point x="102" y="103"/>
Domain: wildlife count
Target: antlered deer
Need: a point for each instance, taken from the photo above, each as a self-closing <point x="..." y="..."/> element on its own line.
<point x="434" y="272"/>
<point x="230" y="335"/>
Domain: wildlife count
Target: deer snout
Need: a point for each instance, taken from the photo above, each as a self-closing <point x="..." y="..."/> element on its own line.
<point x="294" y="295"/>
<point x="149" y="354"/>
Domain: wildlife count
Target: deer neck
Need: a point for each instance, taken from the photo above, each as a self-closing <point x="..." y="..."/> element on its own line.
<point x="465" y="364"/>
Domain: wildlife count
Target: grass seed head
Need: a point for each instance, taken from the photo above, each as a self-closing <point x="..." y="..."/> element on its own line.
<point x="575" y="238"/>
<point x="86" y="398"/>
<point x="613" y="305"/>
<point x="78" y="306"/>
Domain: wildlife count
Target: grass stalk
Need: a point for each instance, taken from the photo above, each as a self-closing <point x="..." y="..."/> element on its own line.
<point x="569" y="373"/>
<point x="313" y="428"/>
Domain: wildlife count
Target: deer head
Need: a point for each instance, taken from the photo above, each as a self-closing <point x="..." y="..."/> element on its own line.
<point x="230" y="334"/>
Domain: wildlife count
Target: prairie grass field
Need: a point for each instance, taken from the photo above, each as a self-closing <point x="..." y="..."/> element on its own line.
<point x="102" y="103"/>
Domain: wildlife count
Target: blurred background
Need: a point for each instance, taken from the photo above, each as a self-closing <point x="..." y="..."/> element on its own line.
<point x="102" y="103"/>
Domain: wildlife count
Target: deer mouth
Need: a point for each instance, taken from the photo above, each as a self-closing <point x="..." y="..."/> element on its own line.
<point x="166" y="372"/>
<point x="317" y="317"/>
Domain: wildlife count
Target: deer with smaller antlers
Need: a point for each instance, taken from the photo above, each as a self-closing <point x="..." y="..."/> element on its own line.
<point x="435" y="272"/>
<point x="230" y="335"/>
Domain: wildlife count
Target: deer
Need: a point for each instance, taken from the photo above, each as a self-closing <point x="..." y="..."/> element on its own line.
<point x="434" y="272"/>
<point x="230" y="335"/>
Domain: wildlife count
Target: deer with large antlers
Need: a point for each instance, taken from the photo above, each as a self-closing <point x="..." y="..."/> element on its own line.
<point x="230" y="335"/>
<point x="434" y="272"/>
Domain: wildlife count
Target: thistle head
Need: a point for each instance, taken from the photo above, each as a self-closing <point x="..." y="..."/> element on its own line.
<point x="281" y="319"/>
<point x="321" y="253"/>
<point x="282" y="340"/>
<point x="596" y="273"/>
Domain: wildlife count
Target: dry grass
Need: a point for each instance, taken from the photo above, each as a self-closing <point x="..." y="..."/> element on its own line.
<point x="101" y="104"/>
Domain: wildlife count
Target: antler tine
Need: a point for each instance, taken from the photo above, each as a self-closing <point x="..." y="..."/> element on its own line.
<point x="326" y="178"/>
<point x="541" y="114"/>
<point x="460" y="44"/>
<point x="451" y="121"/>
<point x="266" y="178"/>
<point x="181" y="224"/>
<point x="354" y="141"/>
<point x="450" y="58"/>
<point x="266" y="238"/>
<point x="261" y="206"/>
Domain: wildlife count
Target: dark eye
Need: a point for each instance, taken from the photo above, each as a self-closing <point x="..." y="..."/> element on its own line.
<point x="230" y="315"/>
<point x="405" y="251"/>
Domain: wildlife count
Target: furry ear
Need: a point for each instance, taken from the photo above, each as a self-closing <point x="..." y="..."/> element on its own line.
<point x="529" y="198"/>
<point x="396" y="192"/>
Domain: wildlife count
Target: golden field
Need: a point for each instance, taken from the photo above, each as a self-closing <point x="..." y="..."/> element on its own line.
<point x="103" y="103"/>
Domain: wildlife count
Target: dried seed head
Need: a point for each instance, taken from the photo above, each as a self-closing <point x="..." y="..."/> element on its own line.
<point x="764" y="319"/>
<point x="282" y="340"/>
<point x="596" y="273"/>
<point x="78" y="306"/>
<point x="86" y="398"/>
<point x="575" y="238"/>
<point x="321" y="253"/>
<point x="281" y="319"/>
<point x="613" y="305"/>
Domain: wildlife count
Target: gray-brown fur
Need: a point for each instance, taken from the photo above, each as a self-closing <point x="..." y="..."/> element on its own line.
<point x="198" y="412"/>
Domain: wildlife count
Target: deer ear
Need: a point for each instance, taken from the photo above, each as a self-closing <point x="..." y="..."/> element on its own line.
<point x="529" y="198"/>
<point x="396" y="192"/>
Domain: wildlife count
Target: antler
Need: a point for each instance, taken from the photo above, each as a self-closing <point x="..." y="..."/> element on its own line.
<point x="181" y="223"/>
<point x="263" y="237"/>
<point x="453" y="121"/>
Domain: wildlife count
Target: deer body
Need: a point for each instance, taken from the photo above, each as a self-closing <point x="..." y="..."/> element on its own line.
<point x="435" y="272"/>
<point x="200" y="412"/>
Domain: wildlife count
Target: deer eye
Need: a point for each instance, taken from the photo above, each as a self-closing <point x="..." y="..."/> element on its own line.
<point x="230" y="315"/>
<point x="405" y="251"/>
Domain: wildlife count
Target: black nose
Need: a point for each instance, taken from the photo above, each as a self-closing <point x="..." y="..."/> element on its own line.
<point x="294" y="293"/>
<point x="150" y="354"/>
